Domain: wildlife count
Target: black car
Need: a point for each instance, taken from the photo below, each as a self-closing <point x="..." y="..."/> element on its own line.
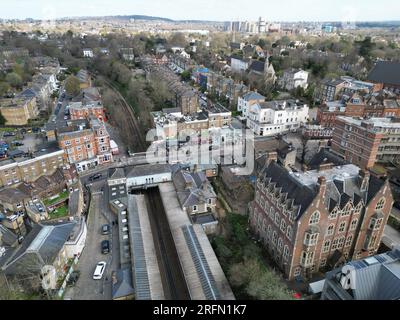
<point x="17" y="143"/>
<point x="105" y="247"/>
<point x="95" y="177"/>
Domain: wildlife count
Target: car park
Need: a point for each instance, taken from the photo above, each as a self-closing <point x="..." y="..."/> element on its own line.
<point x="99" y="270"/>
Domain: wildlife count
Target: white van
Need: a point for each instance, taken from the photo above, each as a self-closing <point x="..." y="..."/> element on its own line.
<point x="99" y="271"/>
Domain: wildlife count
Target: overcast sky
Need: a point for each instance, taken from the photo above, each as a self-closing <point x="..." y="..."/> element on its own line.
<point x="222" y="10"/>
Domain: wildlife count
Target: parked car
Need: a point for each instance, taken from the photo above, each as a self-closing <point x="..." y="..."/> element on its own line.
<point x="105" y="247"/>
<point x="17" y="143"/>
<point x="95" y="177"/>
<point x="9" y="134"/>
<point x="105" y="229"/>
<point x="99" y="271"/>
<point x="73" y="278"/>
<point x="35" y="130"/>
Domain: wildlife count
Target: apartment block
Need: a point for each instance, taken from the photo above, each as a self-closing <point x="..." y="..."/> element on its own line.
<point x="32" y="166"/>
<point x="364" y="142"/>
<point x="17" y="111"/>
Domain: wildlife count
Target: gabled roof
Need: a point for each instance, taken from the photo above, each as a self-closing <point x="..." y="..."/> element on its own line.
<point x="41" y="246"/>
<point x="325" y="157"/>
<point x="385" y="72"/>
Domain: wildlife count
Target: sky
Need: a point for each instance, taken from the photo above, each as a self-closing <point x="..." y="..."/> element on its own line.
<point x="218" y="10"/>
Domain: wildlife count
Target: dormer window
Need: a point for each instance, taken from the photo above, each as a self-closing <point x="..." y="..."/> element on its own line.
<point x="346" y="211"/>
<point x="334" y="214"/>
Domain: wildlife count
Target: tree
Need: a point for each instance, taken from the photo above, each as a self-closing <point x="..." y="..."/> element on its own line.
<point x="185" y="75"/>
<point x="14" y="80"/>
<point x="178" y="39"/>
<point x="4" y="88"/>
<point x="72" y="86"/>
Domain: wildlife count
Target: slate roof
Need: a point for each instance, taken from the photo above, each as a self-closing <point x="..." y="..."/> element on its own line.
<point x="192" y="188"/>
<point x="325" y="157"/>
<point x="124" y="285"/>
<point x="385" y="72"/>
<point x="257" y="66"/>
<point x="253" y="96"/>
<point x="339" y="189"/>
<point x="150" y="169"/>
<point x="375" y="278"/>
<point x="42" y="244"/>
<point x="116" y="173"/>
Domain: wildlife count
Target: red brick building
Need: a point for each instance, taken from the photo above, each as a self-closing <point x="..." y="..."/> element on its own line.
<point x="319" y="219"/>
<point x="79" y="111"/>
<point x="355" y="142"/>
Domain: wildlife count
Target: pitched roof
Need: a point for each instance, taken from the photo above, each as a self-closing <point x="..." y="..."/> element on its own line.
<point x="257" y="66"/>
<point x="385" y="72"/>
<point x="252" y="95"/>
<point x="124" y="285"/>
<point x="325" y="157"/>
<point x="43" y="243"/>
<point x="301" y="194"/>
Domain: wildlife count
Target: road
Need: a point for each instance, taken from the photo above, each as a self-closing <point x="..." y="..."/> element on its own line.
<point x="86" y="288"/>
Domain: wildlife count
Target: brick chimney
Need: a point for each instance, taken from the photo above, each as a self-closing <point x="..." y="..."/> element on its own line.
<point x="271" y="156"/>
<point x="364" y="179"/>
<point x="322" y="185"/>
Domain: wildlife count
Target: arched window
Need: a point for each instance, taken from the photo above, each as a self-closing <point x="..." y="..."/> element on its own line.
<point x="274" y="237"/>
<point x="342" y="227"/>
<point x="280" y="245"/>
<point x="353" y="225"/>
<point x="326" y="247"/>
<point x="349" y="240"/>
<point x="289" y="232"/>
<point x="330" y="230"/>
<point x="286" y="253"/>
<point x="347" y="210"/>
<point x="333" y="214"/>
<point x="380" y="204"/>
<point x="283" y="226"/>
<point x="315" y="217"/>
<point x="277" y="219"/>
<point x="269" y="232"/>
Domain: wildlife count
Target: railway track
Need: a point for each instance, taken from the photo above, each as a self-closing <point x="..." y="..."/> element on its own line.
<point x="134" y="125"/>
<point x="174" y="283"/>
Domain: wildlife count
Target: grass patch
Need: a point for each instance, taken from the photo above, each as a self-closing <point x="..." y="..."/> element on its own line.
<point x="5" y="129"/>
<point x="243" y="262"/>
<point x="60" y="212"/>
<point x="62" y="196"/>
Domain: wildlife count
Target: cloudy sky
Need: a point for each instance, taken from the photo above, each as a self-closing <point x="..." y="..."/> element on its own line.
<point x="222" y="10"/>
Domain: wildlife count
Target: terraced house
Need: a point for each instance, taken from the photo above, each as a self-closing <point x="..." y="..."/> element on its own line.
<point x="317" y="220"/>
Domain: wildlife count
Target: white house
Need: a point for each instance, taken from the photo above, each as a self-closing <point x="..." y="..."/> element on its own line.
<point x="247" y="100"/>
<point x="185" y="54"/>
<point x="294" y="78"/>
<point x="148" y="175"/>
<point x="238" y="64"/>
<point x="88" y="53"/>
<point x="276" y="117"/>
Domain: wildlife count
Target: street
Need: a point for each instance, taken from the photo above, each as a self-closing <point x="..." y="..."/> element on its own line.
<point x="86" y="288"/>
